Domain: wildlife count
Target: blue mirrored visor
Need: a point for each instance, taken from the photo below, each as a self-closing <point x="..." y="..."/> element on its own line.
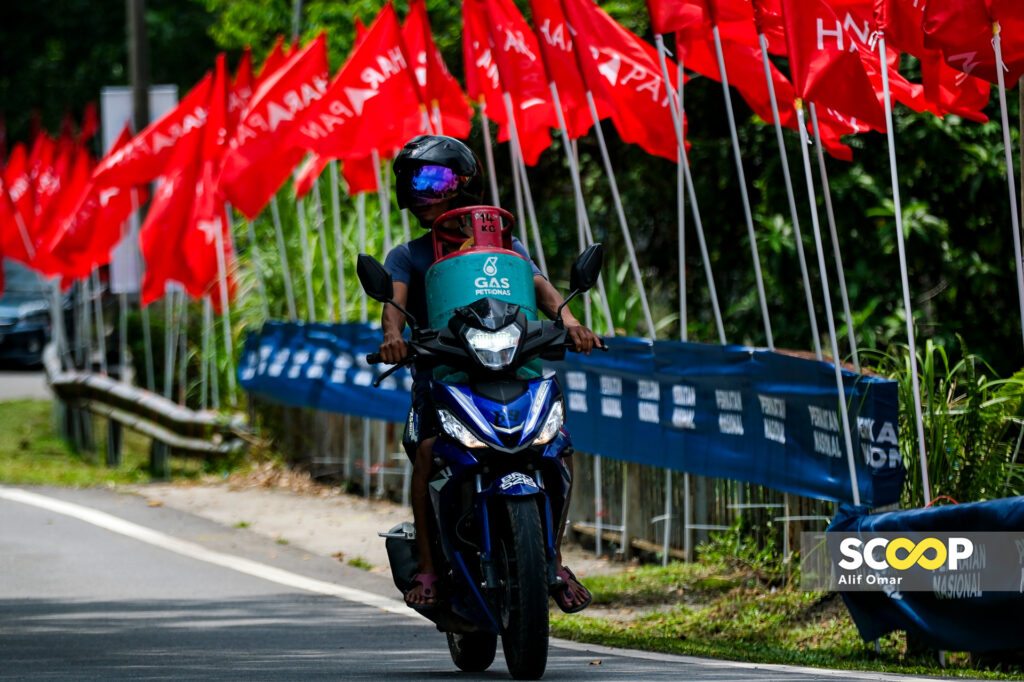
<point x="431" y="184"/>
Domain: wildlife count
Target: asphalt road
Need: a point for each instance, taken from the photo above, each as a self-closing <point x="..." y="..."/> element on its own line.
<point x="108" y="588"/>
<point x="19" y="384"/>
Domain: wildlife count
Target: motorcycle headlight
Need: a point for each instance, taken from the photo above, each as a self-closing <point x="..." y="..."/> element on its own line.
<point x="459" y="431"/>
<point x="494" y="349"/>
<point x="556" y="417"/>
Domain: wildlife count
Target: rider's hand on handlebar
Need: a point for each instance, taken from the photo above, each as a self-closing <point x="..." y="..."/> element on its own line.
<point x="394" y="349"/>
<point x="583" y="339"/>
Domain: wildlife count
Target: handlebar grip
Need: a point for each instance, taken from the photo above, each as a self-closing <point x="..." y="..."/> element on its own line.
<point x="374" y="359"/>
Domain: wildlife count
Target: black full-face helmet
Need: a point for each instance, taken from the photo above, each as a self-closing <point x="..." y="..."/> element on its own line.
<point x="435" y="168"/>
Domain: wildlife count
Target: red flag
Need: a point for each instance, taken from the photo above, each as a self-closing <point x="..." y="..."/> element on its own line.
<point x="373" y="102"/>
<point x="360" y="175"/>
<point x="94" y="226"/>
<point x="624" y="71"/>
<point x="483" y="84"/>
<point x="308" y="173"/>
<point x="261" y="156"/>
<point x="950" y="90"/>
<point x="768" y="20"/>
<point x="439" y="87"/>
<point x="90" y="123"/>
<point x="522" y="73"/>
<point x="171" y="215"/>
<point x="208" y="217"/>
<point x="241" y="91"/>
<point x="963" y="30"/>
<point x="823" y="67"/>
<point x="556" y="47"/>
<point x="275" y="59"/>
<point x="145" y="158"/>
<point x="21" y="191"/>
<point x="668" y="16"/>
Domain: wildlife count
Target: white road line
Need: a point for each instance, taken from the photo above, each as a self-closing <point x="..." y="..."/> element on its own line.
<point x="289" y="579"/>
<point x="194" y="551"/>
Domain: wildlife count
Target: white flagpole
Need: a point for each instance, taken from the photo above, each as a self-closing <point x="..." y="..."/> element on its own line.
<point x="100" y="325"/>
<point x="170" y="333"/>
<point x="225" y="313"/>
<point x="898" y="214"/>
<point x="325" y="259"/>
<point x="743" y="189"/>
<point x="837" y="254"/>
<point x="147" y="333"/>
<point x="183" y="348"/>
<point x="997" y="43"/>
<point x="286" y="272"/>
<point x="307" y="259"/>
<point x="214" y="367"/>
<point x="584" y="234"/>
<point x="257" y="264"/>
<point x="339" y="247"/>
<point x="790" y="197"/>
<point x="361" y="237"/>
<point x="681" y="216"/>
<point x="385" y="202"/>
<point x="204" y="364"/>
<point x="844" y="416"/>
<point x="620" y="212"/>
<point x="519" y="168"/>
<point x="489" y="154"/>
<point x="676" y="110"/>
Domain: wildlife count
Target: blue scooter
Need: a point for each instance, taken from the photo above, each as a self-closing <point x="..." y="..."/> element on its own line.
<point x="499" y="482"/>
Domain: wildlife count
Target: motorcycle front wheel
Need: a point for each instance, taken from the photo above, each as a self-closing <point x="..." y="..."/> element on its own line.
<point x="472" y="652"/>
<point x="522" y="569"/>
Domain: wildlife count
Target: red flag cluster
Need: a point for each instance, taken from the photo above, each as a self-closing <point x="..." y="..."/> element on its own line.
<point x="237" y="140"/>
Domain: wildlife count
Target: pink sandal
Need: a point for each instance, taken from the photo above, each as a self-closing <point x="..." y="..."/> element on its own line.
<point x="562" y="592"/>
<point x="427" y="581"/>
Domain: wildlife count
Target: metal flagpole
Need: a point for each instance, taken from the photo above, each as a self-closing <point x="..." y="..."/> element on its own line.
<point x="318" y="211"/>
<point x="204" y="363"/>
<point x="225" y="313"/>
<point x="361" y="236"/>
<point x="517" y="192"/>
<point x="307" y="259"/>
<point x="835" y="238"/>
<point x="489" y="154"/>
<point x="845" y="420"/>
<point x="584" y="234"/>
<point x="101" y="339"/>
<point x="681" y="219"/>
<point x="790" y="196"/>
<point x="339" y="247"/>
<point x="257" y="265"/>
<point x="519" y="169"/>
<point x="183" y="348"/>
<point x="385" y="203"/>
<point x="214" y="367"/>
<point x="743" y="188"/>
<point x="898" y="214"/>
<point x="147" y="335"/>
<point x="997" y="46"/>
<point x="621" y="215"/>
<point x="286" y="272"/>
<point x="169" y="335"/>
<point x="675" y="108"/>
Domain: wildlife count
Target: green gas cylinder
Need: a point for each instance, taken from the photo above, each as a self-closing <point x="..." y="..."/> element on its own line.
<point x="467" y="276"/>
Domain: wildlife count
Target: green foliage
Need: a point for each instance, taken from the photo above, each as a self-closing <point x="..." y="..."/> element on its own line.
<point x="971" y="424"/>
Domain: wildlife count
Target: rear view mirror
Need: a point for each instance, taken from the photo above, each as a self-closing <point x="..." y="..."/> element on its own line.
<point x="375" y="279"/>
<point x="586" y="269"/>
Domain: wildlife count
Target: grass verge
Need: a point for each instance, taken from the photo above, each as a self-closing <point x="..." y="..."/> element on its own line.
<point x="717" y="610"/>
<point x="32" y="452"/>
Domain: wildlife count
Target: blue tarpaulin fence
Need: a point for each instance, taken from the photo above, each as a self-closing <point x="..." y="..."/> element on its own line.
<point x="720" y="411"/>
<point x="978" y="621"/>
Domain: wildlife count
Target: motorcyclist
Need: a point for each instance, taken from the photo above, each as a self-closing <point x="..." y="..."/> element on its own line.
<point x="435" y="174"/>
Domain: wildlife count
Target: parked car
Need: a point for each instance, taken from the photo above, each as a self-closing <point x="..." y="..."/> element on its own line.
<point x="25" y="323"/>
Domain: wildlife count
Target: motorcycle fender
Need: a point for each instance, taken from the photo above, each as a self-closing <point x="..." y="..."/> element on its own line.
<point x="513" y="484"/>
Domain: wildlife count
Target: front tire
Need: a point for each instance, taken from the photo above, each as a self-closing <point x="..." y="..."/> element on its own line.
<point x="522" y="570"/>
<point x="472" y="652"/>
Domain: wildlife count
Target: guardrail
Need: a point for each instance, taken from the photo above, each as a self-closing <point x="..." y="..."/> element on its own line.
<point x="174" y="429"/>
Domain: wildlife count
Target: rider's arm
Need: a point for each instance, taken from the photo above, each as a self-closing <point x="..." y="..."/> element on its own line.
<point x="393" y="349"/>
<point x="548" y="300"/>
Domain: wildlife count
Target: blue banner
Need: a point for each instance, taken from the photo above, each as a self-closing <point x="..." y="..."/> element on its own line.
<point x="959" y="617"/>
<point x="721" y="411"/>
